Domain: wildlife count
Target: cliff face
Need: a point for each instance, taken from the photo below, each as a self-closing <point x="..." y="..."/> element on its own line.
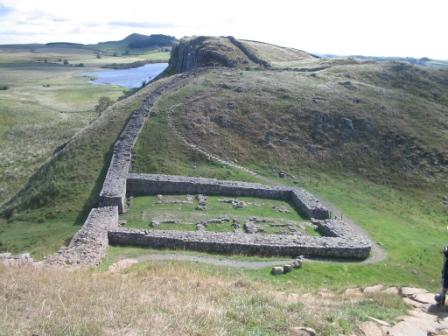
<point x="204" y="51"/>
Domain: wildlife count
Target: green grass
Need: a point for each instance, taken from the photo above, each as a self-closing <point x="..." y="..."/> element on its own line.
<point x="116" y="253"/>
<point x="35" y="120"/>
<point x="271" y="117"/>
<point x="400" y="209"/>
<point x="176" y="227"/>
<point x="65" y="189"/>
<point x="226" y="227"/>
<point x="39" y="238"/>
<point x="144" y="209"/>
<point x="45" y="105"/>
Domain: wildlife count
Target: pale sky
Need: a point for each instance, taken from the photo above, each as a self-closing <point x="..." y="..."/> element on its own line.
<point x="343" y="27"/>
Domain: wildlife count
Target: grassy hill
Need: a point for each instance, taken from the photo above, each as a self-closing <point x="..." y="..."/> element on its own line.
<point x="368" y="137"/>
<point x="133" y="44"/>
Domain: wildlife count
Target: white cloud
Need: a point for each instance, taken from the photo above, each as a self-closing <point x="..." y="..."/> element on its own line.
<point x="369" y="27"/>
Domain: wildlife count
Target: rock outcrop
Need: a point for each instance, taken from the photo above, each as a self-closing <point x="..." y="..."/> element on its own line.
<point x="206" y="51"/>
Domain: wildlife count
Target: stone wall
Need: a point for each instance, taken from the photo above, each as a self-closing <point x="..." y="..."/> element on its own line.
<point x="152" y="184"/>
<point x="89" y="245"/>
<point x="339" y="239"/>
<point x="355" y="248"/>
<point x="113" y="192"/>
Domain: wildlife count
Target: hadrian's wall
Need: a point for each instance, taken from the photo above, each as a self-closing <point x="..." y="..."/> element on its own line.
<point x="113" y="192"/>
<point x="89" y="245"/>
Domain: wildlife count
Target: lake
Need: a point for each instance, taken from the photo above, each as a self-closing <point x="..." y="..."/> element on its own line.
<point x="130" y="78"/>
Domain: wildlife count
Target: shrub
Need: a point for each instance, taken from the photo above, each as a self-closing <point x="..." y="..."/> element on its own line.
<point x="103" y="103"/>
<point x="65" y="62"/>
<point x="4" y="87"/>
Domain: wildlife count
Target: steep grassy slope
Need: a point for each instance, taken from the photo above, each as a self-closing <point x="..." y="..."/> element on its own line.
<point x="48" y="210"/>
<point x="326" y="121"/>
<point x="278" y="56"/>
<point x="368" y="137"/>
<point x="46" y="103"/>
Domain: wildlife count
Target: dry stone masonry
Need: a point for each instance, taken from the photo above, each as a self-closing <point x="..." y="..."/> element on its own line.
<point x="113" y="192"/>
<point x="152" y="184"/>
<point x="89" y="245"/>
<point x="102" y="227"/>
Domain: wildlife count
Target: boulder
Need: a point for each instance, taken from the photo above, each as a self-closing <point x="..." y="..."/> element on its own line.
<point x="426" y="298"/>
<point x="409" y="291"/>
<point x="276" y="270"/>
<point x="373" y="289"/>
<point x="353" y="292"/>
<point x="303" y="331"/>
<point x="370" y="328"/>
<point x="287" y="268"/>
<point x="392" y="291"/>
<point x="297" y="263"/>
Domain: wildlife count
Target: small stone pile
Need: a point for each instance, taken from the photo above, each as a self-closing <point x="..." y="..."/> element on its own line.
<point x="202" y="202"/>
<point x="251" y="227"/>
<point x="281" y="209"/>
<point x="236" y="203"/>
<point x="295" y="264"/>
<point x="15" y="260"/>
<point x="161" y="200"/>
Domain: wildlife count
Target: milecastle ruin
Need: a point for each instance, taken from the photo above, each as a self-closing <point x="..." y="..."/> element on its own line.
<point x="101" y="228"/>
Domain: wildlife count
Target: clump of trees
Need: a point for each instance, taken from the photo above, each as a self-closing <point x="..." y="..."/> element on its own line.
<point x="4" y="87"/>
<point x="103" y="104"/>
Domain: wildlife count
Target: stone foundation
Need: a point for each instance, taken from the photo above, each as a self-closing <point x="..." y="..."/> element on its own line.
<point x="151" y="184"/>
<point x="247" y="244"/>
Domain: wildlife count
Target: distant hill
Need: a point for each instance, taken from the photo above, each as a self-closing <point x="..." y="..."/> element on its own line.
<point x="136" y="42"/>
<point x="132" y="44"/>
<point x="423" y="61"/>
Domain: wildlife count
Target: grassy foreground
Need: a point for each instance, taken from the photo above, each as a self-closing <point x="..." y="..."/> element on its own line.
<point x="171" y="299"/>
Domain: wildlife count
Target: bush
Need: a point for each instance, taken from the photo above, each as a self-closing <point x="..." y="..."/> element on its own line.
<point x="103" y="103"/>
<point x="4" y="87"/>
<point x="65" y="62"/>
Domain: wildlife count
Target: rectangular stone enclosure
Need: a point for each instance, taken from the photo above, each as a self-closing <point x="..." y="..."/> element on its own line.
<point x="338" y="241"/>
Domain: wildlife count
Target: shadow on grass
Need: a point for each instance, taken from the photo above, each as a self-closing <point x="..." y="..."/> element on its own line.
<point x="92" y="200"/>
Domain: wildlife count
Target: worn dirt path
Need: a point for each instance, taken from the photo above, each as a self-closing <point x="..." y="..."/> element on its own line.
<point x="216" y="261"/>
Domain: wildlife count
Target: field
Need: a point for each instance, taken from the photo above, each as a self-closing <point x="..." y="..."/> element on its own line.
<point x="181" y="213"/>
<point x="379" y="171"/>
<point x="45" y="104"/>
<point x="174" y="298"/>
<point x="368" y="139"/>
